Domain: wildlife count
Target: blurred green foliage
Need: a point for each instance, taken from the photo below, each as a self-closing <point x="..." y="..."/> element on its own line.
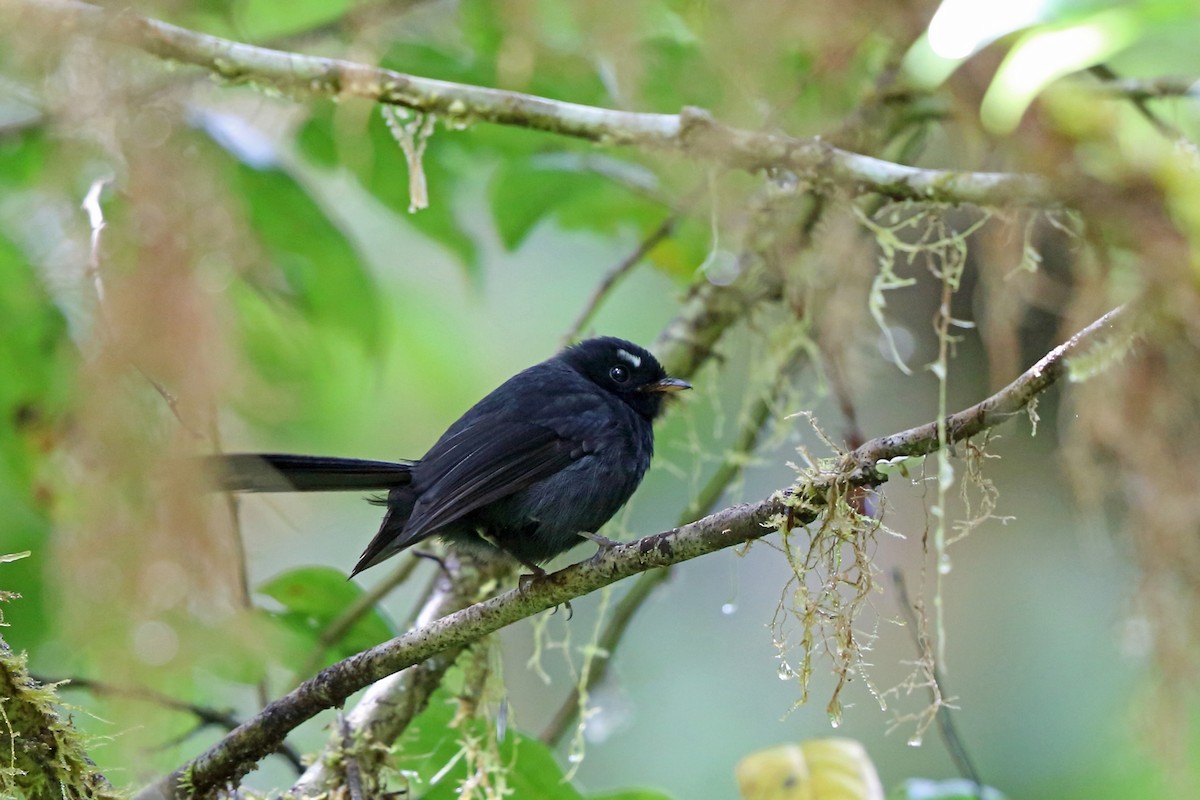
<point x="312" y="599"/>
<point x="37" y="365"/>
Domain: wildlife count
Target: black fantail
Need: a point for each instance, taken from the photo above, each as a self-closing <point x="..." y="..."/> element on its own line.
<point x="532" y="469"/>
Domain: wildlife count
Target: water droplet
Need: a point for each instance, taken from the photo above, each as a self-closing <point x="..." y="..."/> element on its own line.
<point x="946" y="475"/>
<point x="575" y="758"/>
<point x="785" y="672"/>
<point x="502" y="719"/>
<point x="728" y="608"/>
<point x="721" y="267"/>
<point x="609" y="710"/>
<point x="914" y="741"/>
<point x="944" y="564"/>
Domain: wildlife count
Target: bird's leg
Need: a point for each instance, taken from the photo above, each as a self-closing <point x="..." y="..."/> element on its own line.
<point x="435" y="558"/>
<point x="603" y="542"/>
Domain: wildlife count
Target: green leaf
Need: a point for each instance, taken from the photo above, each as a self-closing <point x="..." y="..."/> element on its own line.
<point x="37" y="362"/>
<point x="483" y="24"/>
<point x="260" y="20"/>
<point x="430" y="744"/>
<point x="22" y="158"/>
<point x="447" y="63"/>
<point x="631" y="794"/>
<point x="580" y="192"/>
<point x="664" y="60"/>
<point x="313" y="597"/>
<point x="522" y="196"/>
<point x="315" y="137"/>
<point x="323" y="274"/>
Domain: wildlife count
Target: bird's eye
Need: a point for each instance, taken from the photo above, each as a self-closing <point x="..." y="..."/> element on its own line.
<point x="619" y="374"/>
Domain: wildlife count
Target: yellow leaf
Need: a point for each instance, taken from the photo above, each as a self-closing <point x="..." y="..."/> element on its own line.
<point x="819" y="769"/>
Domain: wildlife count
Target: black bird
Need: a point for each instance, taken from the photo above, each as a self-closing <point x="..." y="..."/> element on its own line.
<point x="532" y="469"/>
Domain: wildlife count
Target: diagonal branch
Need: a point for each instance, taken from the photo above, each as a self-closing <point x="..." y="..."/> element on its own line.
<point x="693" y="132"/>
<point x="864" y="464"/>
<point x="238" y="752"/>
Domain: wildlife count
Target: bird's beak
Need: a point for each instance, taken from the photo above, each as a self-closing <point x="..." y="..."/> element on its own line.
<point x="666" y="386"/>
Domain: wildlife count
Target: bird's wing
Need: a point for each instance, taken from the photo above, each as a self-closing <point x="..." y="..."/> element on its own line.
<point x="484" y="462"/>
<point x="277" y="472"/>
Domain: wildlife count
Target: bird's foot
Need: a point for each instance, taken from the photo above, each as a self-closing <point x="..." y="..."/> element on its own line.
<point x="536" y="573"/>
<point x="602" y="542"/>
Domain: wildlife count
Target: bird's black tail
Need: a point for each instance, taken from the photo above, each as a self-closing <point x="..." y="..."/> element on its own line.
<point x="278" y="472"/>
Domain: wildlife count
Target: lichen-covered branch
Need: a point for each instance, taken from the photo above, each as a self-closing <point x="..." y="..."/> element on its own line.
<point x="237" y="753"/>
<point x="693" y="132"/>
<point x="864" y="464"/>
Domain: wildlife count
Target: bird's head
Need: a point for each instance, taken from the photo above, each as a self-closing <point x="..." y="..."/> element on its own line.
<point x="626" y="370"/>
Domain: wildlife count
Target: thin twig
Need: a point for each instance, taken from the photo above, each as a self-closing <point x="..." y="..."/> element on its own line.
<point x="614" y="275"/>
<point x="354" y="782"/>
<point x="1155" y="88"/>
<point x="238" y="543"/>
<point x="626" y="265"/>
<point x="943" y="717"/>
<point x="205" y="715"/>
<point x="1140" y="93"/>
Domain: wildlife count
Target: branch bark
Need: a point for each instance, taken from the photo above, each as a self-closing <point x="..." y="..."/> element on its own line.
<point x="693" y="132"/>
<point x="237" y="753"/>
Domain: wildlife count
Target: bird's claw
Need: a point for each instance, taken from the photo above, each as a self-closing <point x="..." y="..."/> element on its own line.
<point x="526" y="580"/>
<point x="537" y="574"/>
<point x="603" y="543"/>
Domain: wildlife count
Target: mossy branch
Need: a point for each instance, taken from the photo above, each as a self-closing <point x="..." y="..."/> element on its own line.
<point x="693" y="132"/>
<point x="237" y="753"/>
<point x="43" y="755"/>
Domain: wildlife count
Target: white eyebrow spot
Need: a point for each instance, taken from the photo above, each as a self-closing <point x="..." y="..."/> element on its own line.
<point x="636" y="361"/>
